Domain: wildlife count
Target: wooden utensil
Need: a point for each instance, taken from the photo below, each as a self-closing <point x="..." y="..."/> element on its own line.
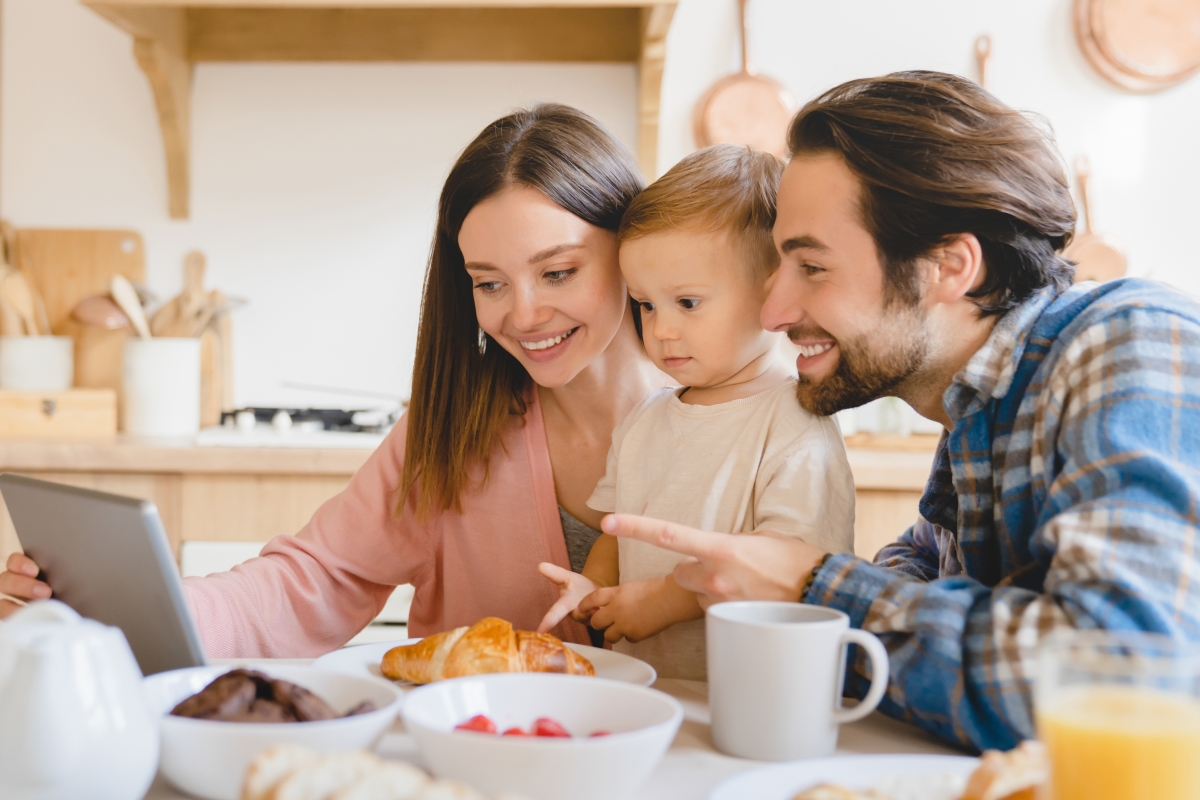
<point x="99" y="311"/>
<point x="1098" y="257"/>
<point x="746" y="108"/>
<point x="126" y="297"/>
<point x="983" y="57"/>
<point x="184" y="315"/>
<point x="1140" y="45"/>
<point x="20" y="297"/>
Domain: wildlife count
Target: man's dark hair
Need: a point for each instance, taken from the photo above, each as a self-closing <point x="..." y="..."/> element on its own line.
<point x="938" y="156"/>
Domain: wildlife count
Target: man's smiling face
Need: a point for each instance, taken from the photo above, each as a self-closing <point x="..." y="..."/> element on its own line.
<point x="856" y="342"/>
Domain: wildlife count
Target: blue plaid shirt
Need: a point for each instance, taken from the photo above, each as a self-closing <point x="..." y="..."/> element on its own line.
<point x="1065" y="495"/>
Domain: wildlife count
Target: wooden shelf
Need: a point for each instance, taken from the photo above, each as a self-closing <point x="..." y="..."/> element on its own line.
<point x="171" y="36"/>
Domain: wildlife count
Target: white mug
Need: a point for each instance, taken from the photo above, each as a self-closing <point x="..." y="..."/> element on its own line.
<point x="775" y="674"/>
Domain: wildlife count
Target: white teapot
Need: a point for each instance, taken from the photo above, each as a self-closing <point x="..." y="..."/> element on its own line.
<point x="73" y="723"/>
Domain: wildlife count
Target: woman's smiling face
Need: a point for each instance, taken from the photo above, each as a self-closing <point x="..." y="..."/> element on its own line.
<point x="546" y="284"/>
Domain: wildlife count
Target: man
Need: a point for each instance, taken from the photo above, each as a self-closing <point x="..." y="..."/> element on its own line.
<point x="921" y="224"/>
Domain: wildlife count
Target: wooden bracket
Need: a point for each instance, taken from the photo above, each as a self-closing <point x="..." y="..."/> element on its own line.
<point x="170" y="36"/>
<point x="160" y="44"/>
<point x="656" y="21"/>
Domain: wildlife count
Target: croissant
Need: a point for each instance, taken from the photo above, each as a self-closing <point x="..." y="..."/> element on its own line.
<point x="490" y="645"/>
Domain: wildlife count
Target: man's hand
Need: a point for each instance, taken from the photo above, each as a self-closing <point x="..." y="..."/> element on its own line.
<point x="640" y="609"/>
<point x="752" y="566"/>
<point x="19" y="580"/>
<point x="571" y="589"/>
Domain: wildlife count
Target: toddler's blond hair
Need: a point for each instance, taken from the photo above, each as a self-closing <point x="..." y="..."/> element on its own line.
<point x="720" y="188"/>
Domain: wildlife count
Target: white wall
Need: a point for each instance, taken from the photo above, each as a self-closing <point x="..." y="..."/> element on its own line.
<point x="314" y="185"/>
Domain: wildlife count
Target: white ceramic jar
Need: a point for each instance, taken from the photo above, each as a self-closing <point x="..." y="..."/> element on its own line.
<point x="161" y="384"/>
<point x="37" y="363"/>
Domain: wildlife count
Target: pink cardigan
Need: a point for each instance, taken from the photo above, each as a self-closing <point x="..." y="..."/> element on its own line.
<point x="307" y="594"/>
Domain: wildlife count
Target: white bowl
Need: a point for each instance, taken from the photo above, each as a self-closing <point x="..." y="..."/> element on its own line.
<point x="642" y="723"/>
<point x="208" y="758"/>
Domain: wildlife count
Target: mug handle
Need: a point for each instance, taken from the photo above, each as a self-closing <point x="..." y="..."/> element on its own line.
<point x="879" y="676"/>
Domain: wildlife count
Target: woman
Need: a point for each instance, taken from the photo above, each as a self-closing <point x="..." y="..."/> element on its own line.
<point x="527" y="358"/>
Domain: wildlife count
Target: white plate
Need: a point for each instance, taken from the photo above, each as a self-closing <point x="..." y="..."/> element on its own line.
<point x="365" y="658"/>
<point x="785" y="781"/>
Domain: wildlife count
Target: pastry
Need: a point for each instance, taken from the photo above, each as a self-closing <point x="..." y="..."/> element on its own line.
<point x="490" y="645"/>
<point x="271" y="766"/>
<point x="1015" y="775"/>
<point x="291" y="772"/>
<point x="322" y="778"/>
<point x="393" y="779"/>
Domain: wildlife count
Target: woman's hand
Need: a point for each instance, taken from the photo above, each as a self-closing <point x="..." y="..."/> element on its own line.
<point x="753" y="566"/>
<point x="20" y="581"/>
<point x="571" y="589"/>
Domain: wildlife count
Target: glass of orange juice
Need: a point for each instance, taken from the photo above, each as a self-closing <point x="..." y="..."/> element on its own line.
<point x="1119" y="714"/>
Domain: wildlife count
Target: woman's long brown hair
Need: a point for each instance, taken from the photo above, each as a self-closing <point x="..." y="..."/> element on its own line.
<point x="463" y="399"/>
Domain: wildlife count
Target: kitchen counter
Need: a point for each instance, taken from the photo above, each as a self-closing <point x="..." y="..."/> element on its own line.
<point x="135" y="454"/>
<point x="250" y="494"/>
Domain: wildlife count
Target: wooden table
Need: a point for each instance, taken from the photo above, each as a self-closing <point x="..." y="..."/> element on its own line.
<point x="692" y="767"/>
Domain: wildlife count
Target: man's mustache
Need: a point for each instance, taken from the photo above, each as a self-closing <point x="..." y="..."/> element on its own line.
<point x="799" y="334"/>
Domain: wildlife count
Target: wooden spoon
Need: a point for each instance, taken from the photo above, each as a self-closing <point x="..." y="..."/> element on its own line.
<point x="180" y="315"/>
<point x="126" y="297"/>
<point x="99" y="311"/>
<point x="20" y="296"/>
<point x="1097" y="257"/>
<point x="983" y="55"/>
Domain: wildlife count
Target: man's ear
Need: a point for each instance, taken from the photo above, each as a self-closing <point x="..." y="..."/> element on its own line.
<point x="955" y="269"/>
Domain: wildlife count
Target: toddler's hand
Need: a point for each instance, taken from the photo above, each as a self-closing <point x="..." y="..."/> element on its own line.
<point x="625" y="611"/>
<point x="572" y="588"/>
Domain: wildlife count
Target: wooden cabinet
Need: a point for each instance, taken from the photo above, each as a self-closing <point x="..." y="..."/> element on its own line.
<point x="251" y="495"/>
<point x="202" y="493"/>
<point x="171" y="36"/>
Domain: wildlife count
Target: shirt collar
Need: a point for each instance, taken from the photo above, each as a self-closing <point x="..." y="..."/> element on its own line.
<point x="989" y="373"/>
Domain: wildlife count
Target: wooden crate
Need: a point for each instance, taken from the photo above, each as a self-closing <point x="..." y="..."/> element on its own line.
<point x="72" y="413"/>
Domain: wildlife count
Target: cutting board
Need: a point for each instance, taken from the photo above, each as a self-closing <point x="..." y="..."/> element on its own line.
<point x="67" y="265"/>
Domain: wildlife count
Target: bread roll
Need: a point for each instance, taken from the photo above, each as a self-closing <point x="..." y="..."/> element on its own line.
<point x="271" y="766"/>
<point x="393" y="780"/>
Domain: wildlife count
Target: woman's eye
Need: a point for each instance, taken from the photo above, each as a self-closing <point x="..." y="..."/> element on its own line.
<point x="488" y="287"/>
<point x="811" y="270"/>
<point x="689" y="303"/>
<point x="560" y="275"/>
<point x="646" y="307"/>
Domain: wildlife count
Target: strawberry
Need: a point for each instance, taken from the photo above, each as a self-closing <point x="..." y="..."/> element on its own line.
<point x="544" y="726"/>
<point x="479" y="723"/>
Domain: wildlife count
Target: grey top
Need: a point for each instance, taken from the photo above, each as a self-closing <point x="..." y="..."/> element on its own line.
<point x="580" y="539"/>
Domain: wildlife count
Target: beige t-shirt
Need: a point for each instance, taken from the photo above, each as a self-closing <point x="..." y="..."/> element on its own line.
<point x="759" y="463"/>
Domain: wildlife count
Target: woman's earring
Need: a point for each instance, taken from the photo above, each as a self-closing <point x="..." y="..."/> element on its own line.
<point x="482" y="342"/>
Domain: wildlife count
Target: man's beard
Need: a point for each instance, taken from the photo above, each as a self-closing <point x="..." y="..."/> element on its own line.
<point x="869" y="366"/>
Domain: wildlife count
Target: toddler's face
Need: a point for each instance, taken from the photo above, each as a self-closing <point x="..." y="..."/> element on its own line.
<point x="700" y="305"/>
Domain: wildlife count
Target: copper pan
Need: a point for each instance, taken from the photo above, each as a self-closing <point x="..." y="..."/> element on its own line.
<point x="746" y="108"/>
<point x="1140" y="45"/>
<point x="1098" y="258"/>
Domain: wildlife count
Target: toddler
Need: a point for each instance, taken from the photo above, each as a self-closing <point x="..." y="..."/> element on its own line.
<point x="730" y="449"/>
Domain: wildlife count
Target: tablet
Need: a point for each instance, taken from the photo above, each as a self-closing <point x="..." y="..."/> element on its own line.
<point x="108" y="557"/>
